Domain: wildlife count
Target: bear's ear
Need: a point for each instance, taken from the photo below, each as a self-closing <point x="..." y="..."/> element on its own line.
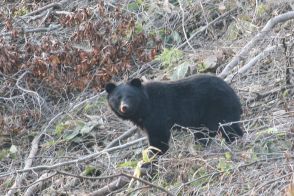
<point x="109" y="87"/>
<point x="136" y="82"/>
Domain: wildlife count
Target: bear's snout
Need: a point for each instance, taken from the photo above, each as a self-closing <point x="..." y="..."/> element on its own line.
<point x="123" y="107"/>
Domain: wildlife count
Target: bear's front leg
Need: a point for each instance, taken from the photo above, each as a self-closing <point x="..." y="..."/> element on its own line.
<point x="159" y="138"/>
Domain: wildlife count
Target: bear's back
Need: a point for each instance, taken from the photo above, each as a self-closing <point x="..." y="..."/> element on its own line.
<point x="204" y="87"/>
<point x="193" y="101"/>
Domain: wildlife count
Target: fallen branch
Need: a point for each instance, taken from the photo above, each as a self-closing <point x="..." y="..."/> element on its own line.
<point x="29" y="160"/>
<point x="80" y="104"/>
<point x="254" y="190"/>
<point x="183" y="27"/>
<point x="250" y="64"/>
<point x="206" y="26"/>
<point x="243" y="166"/>
<point x="51" y="5"/>
<point x="30" y="92"/>
<point x="35" y="30"/>
<point x="125" y="135"/>
<point x="113" y="186"/>
<point x="74" y="161"/>
<point x="40" y="16"/>
<point x="263" y="95"/>
<point x="122" y="181"/>
<point x="38" y="184"/>
<point x="261" y="35"/>
<point x="42" y="29"/>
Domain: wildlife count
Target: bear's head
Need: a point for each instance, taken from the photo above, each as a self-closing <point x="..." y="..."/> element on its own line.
<point x="127" y="99"/>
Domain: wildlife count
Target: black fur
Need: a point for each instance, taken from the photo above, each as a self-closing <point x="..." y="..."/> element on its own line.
<point x="197" y="101"/>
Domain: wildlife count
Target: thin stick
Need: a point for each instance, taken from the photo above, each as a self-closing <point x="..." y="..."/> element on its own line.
<point x="29" y="160"/>
<point x="51" y="5"/>
<point x="206" y="26"/>
<point x="251" y="63"/>
<point x="74" y="161"/>
<point x="260" y="36"/>
<point x="125" y="135"/>
<point x="183" y="26"/>
<point x="38" y="183"/>
<point x="100" y="192"/>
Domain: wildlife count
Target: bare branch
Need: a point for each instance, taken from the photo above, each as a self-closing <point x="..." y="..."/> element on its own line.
<point x="269" y="182"/>
<point x="251" y="63"/>
<point x="40" y="16"/>
<point x="125" y="135"/>
<point x="261" y="35"/>
<point x="122" y="181"/>
<point x="35" y="30"/>
<point x="206" y="26"/>
<point x="29" y="160"/>
<point x="38" y="184"/>
<point x="113" y="186"/>
<point x="74" y="161"/>
<point x="30" y="92"/>
<point x="51" y="5"/>
<point x="183" y="26"/>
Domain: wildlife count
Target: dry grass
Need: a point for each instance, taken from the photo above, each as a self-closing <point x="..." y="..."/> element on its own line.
<point x="260" y="163"/>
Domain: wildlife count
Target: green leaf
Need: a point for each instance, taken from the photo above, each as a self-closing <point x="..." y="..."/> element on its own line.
<point x="147" y="152"/>
<point x="4" y="153"/>
<point x="176" y="37"/>
<point x="170" y="56"/>
<point x="232" y="33"/>
<point x="261" y="9"/>
<point x="131" y="164"/>
<point x="7" y="183"/>
<point x="180" y="71"/>
<point x="200" y="174"/>
<point x="134" y="6"/>
<point x="89" y="171"/>
<point x="88" y="127"/>
<point x="49" y="143"/>
<point x="228" y="156"/>
<point x="286" y="93"/>
<point x="69" y="135"/>
<point x="253" y="155"/>
<point x="13" y="149"/>
<point x="21" y="11"/>
<point x="60" y="128"/>
<point x="210" y="62"/>
<point x="271" y="130"/>
<point x="88" y="107"/>
<point x="223" y="165"/>
<point x="138" y="28"/>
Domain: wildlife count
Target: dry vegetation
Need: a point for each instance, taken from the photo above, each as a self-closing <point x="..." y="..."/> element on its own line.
<point x="58" y="137"/>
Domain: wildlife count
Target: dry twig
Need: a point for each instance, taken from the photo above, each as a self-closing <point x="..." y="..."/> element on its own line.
<point x="74" y="161"/>
<point x="34" y="187"/>
<point x="28" y="163"/>
<point x="125" y="135"/>
<point x="260" y="36"/>
<point x="51" y="5"/>
<point x="206" y="26"/>
<point x="251" y="63"/>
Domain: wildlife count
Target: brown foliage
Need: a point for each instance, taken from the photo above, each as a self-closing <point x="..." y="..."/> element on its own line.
<point x="64" y="64"/>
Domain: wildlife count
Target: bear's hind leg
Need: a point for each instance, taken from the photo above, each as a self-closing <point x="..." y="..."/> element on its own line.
<point x="202" y="136"/>
<point x="230" y="133"/>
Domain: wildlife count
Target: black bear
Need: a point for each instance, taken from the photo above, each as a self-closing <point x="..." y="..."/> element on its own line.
<point x="196" y="101"/>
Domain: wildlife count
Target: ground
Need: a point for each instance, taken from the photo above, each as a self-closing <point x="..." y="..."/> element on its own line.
<point x="58" y="132"/>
